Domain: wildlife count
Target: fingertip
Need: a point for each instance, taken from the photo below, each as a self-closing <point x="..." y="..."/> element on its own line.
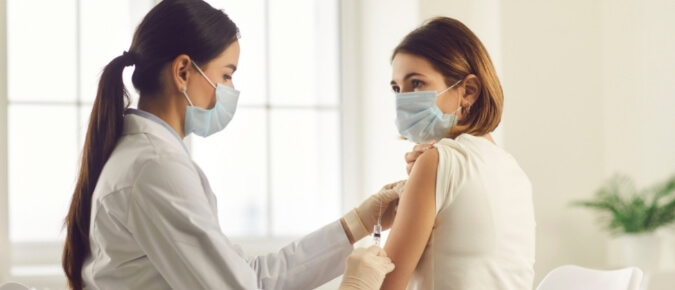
<point x="431" y="144"/>
<point x="377" y="250"/>
<point x="390" y="267"/>
<point x="373" y="248"/>
<point x="419" y="147"/>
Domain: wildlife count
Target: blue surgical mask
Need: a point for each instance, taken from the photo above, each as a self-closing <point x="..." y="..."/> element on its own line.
<point x="204" y="122"/>
<point x="418" y="119"/>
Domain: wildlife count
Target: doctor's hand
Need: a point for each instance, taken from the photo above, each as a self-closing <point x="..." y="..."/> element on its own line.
<point x="412" y="156"/>
<point x="366" y="269"/>
<point x="359" y="222"/>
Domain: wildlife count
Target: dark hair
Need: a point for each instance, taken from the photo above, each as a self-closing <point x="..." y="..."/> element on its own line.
<point x="170" y="29"/>
<point x="455" y="51"/>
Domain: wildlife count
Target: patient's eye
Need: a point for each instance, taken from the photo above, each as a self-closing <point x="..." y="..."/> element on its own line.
<point x="396" y="89"/>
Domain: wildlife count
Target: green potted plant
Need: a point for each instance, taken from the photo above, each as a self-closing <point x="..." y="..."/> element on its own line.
<point x="634" y="215"/>
<point x="626" y="210"/>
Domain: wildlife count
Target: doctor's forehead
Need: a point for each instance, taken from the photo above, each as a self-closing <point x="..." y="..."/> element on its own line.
<point x="227" y="58"/>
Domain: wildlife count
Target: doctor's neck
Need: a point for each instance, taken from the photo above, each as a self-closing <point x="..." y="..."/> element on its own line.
<point x="169" y="108"/>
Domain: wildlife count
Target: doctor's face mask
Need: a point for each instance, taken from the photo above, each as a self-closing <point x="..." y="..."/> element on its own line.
<point x="205" y="122"/>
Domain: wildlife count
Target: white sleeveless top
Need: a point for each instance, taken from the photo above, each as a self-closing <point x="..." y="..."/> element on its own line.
<point x="484" y="232"/>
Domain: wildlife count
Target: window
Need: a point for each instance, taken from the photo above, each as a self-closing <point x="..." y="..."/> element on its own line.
<point x="55" y="52"/>
<point x="281" y="152"/>
<point x="276" y="169"/>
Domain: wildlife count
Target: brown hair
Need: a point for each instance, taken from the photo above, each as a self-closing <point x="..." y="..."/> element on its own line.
<point x="455" y="51"/>
<point x="171" y="28"/>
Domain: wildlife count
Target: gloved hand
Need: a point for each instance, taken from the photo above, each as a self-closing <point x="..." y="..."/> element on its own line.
<point x="369" y="210"/>
<point x="411" y="157"/>
<point x="365" y="269"/>
<point x="361" y="220"/>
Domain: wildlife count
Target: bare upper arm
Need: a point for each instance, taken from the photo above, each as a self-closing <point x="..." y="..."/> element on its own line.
<point x="414" y="221"/>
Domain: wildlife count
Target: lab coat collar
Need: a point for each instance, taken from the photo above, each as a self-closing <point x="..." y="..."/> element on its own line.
<point x="138" y="121"/>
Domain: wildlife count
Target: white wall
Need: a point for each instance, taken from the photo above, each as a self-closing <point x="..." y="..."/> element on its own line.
<point x="4" y="215"/>
<point x="639" y="88"/>
<point x="638" y="99"/>
<point x="656" y="97"/>
<point x="553" y="84"/>
<point x="590" y="92"/>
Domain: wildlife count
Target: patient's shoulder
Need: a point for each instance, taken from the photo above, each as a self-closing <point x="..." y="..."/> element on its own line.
<point x="427" y="162"/>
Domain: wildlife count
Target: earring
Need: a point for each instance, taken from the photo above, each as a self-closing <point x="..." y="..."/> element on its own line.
<point x="183" y="90"/>
<point x="466" y="108"/>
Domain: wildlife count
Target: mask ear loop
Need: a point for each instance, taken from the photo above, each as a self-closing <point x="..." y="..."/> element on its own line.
<point x="203" y="74"/>
<point x="459" y="103"/>
<point x="459" y="108"/>
<point x="184" y="91"/>
<point x="449" y="88"/>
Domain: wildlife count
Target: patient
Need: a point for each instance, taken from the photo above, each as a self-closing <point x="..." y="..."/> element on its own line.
<point x="465" y="219"/>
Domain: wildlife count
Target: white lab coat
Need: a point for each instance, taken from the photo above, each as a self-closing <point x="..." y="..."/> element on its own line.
<point x="154" y="225"/>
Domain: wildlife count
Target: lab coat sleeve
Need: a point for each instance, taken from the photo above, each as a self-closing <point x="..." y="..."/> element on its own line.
<point x="171" y="220"/>
<point x="306" y="263"/>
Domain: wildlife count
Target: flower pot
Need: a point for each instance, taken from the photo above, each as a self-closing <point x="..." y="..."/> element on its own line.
<point x="642" y="251"/>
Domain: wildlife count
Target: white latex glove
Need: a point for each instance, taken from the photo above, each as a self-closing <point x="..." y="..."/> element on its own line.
<point x="362" y="219"/>
<point x="369" y="209"/>
<point x="366" y="269"/>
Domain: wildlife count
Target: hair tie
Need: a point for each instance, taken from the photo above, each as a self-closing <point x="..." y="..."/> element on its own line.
<point x="129" y="58"/>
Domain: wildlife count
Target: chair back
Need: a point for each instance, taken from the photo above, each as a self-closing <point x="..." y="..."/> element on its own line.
<point x="579" y="278"/>
<point x="13" y="286"/>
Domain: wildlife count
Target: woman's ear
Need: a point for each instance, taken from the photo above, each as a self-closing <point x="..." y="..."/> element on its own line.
<point x="472" y="89"/>
<point x="180" y="71"/>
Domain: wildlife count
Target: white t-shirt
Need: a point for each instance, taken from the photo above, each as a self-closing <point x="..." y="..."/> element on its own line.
<point x="484" y="232"/>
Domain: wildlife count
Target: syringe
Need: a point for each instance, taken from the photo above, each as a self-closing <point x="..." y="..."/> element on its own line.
<point x="377" y="228"/>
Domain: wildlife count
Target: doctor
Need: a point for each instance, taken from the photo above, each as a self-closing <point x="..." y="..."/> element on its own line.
<point x="143" y="215"/>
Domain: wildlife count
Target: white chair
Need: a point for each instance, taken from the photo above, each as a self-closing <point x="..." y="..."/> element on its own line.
<point x="574" y="277"/>
<point x="13" y="286"/>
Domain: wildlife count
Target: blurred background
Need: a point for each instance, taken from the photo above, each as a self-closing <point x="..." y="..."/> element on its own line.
<point x="589" y="92"/>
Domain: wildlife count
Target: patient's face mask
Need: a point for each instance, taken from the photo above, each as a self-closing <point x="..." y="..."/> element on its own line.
<point x="205" y="122"/>
<point x="418" y="119"/>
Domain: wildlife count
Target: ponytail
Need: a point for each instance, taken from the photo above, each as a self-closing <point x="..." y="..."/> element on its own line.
<point x="105" y="128"/>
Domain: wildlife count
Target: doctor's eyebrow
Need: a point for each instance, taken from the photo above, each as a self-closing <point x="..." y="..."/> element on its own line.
<point x="412" y="74"/>
<point x="233" y="67"/>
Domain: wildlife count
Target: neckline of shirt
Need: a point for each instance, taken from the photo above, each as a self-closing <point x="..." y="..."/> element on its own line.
<point x="151" y="117"/>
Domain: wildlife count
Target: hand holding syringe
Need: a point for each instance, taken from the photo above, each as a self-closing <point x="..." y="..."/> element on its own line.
<point x="377" y="228"/>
